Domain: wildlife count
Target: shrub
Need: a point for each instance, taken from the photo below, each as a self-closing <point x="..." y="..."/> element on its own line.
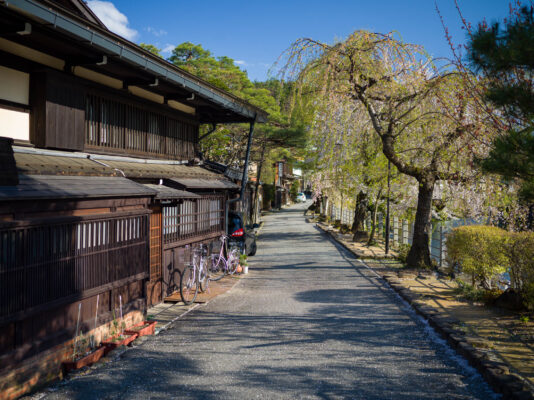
<point x="520" y="248"/>
<point x="402" y="252"/>
<point x="481" y="251"/>
<point x="294" y="190"/>
<point x="344" y="228"/>
<point x="468" y="292"/>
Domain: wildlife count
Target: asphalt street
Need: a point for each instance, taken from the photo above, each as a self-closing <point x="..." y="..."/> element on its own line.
<point x="308" y="322"/>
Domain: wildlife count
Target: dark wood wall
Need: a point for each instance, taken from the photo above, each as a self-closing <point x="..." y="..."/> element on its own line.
<point x="71" y="113"/>
<point x="51" y="263"/>
<point x="58" y="111"/>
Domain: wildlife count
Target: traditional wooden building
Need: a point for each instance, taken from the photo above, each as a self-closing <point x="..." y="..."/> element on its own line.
<point x="101" y="190"/>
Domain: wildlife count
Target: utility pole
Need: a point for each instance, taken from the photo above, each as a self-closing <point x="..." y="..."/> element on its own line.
<point x="387" y="209"/>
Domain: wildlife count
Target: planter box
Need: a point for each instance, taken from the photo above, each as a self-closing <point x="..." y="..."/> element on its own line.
<point x="142" y="328"/>
<point x="84" y="361"/>
<point x="112" y="344"/>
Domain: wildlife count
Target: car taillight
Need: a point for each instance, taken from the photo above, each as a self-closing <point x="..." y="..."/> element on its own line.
<point x="239" y="232"/>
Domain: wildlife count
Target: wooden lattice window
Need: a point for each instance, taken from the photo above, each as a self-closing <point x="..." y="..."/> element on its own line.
<point x="128" y="128"/>
<point x="189" y="218"/>
<point x="45" y="263"/>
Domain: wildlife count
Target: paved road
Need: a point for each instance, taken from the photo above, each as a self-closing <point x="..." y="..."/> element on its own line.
<point x="308" y="322"/>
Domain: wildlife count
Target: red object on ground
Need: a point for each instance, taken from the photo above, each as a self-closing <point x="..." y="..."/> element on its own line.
<point x="84" y="361"/>
<point x="149" y="327"/>
<point x="111" y="344"/>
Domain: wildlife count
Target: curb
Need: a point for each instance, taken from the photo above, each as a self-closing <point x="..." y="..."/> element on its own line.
<point x="496" y="373"/>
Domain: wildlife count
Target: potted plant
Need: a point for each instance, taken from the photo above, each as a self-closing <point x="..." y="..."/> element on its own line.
<point x="118" y="337"/>
<point x="243" y="264"/>
<point x="142" y="328"/>
<point x="84" y="353"/>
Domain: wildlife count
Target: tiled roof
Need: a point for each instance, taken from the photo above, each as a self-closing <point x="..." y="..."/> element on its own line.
<point x="61" y="187"/>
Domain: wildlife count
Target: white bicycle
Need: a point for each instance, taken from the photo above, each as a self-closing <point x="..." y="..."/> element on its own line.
<point x="195" y="276"/>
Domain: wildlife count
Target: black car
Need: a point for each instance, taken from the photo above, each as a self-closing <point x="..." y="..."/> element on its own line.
<point x="241" y="236"/>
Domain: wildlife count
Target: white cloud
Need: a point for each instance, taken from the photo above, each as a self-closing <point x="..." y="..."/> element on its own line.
<point x="156" y="32"/>
<point x="115" y="21"/>
<point x="241" y="62"/>
<point x="168" y="48"/>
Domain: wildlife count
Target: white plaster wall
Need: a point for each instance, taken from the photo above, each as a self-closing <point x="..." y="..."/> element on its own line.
<point x="14" y="124"/>
<point x="14" y="85"/>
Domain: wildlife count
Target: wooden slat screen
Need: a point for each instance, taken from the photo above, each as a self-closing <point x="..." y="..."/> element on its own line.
<point x="40" y="264"/>
<point x="126" y="128"/>
<point x="189" y="218"/>
<point x="155" y="245"/>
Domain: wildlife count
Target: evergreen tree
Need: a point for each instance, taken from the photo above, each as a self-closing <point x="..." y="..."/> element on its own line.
<point x="505" y="56"/>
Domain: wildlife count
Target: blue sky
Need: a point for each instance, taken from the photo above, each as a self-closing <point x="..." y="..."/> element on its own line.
<point x="255" y="33"/>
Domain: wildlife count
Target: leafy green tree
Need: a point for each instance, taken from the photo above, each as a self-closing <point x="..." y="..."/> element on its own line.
<point x="228" y="143"/>
<point x="153" y="49"/>
<point x="504" y="56"/>
<point x="421" y="117"/>
<point x="219" y="71"/>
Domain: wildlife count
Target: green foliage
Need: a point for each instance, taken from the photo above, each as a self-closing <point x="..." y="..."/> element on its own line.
<point x="294" y="190"/>
<point x="497" y="51"/>
<point x="486" y="251"/>
<point x="512" y="156"/>
<point x="221" y="71"/>
<point x="481" y="252"/>
<point x="228" y="143"/>
<point x="468" y="292"/>
<point x="402" y="252"/>
<point x="505" y="56"/>
<point x="520" y="248"/>
<point x="524" y="319"/>
<point x="268" y="195"/>
<point x="153" y="49"/>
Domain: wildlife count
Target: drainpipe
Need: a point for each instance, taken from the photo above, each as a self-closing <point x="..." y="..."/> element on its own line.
<point x="245" y="174"/>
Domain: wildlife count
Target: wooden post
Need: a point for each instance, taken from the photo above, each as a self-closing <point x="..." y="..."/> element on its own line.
<point x="396" y="231"/>
<point x="441" y="247"/>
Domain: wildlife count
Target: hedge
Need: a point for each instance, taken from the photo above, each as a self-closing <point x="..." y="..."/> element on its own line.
<point x="480" y="250"/>
<point x="521" y="253"/>
<point x="485" y="252"/>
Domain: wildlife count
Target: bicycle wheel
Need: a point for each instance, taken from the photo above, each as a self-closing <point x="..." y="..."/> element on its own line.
<point x="233" y="261"/>
<point x="217" y="267"/>
<point x="204" y="276"/>
<point x="189" y="285"/>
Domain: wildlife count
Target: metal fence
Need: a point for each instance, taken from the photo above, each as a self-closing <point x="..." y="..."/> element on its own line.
<point x="401" y="231"/>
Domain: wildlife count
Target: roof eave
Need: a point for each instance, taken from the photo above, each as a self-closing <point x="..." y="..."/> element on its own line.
<point x="116" y="46"/>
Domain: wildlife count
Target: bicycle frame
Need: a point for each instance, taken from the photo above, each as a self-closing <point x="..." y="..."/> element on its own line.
<point x="227" y="263"/>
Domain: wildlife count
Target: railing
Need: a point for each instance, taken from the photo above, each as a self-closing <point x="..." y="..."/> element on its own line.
<point x="401" y="231"/>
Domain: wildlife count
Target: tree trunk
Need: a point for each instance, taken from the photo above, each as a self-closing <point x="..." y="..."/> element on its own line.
<point x="359" y="217"/>
<point x="371" y="240"/>
<point x="419" y="255"/>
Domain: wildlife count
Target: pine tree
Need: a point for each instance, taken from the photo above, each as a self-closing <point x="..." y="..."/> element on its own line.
<point x="504" y="55"/>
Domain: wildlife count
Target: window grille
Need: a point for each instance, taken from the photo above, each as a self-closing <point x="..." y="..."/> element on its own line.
<point x="192" y="217"/>
<point x="122" y="127"/>
<point x="40" y="264"/>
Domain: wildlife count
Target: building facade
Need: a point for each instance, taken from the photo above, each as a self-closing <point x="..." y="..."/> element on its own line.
<point x="102" y="195"/>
